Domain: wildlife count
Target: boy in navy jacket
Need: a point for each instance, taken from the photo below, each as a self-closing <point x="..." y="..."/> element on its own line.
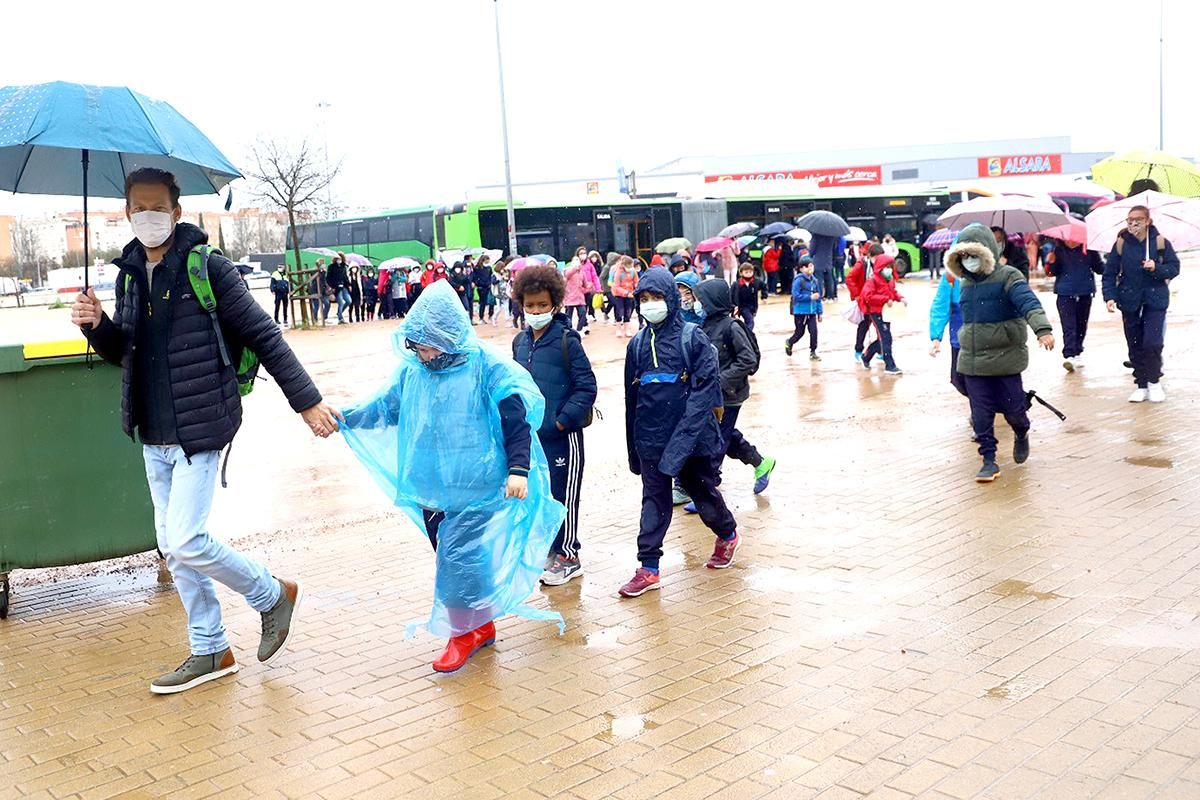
<point x="554" y="356"/>
<point x="672" y="405"/>
<point x="1074" y="270"/>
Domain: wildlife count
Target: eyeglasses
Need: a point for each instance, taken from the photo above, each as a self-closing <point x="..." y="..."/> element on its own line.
<point x="1135" y="220"/>
<point x="409" y="344"/>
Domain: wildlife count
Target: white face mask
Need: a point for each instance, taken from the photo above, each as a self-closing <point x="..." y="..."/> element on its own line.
<point x="152" y="228"/>
<point x="886" y="272"/>
<point x="972" y="263"/>
<point x="698" y="307"/>
<point x="539" y="321"/>
<point x="655" y="311"/>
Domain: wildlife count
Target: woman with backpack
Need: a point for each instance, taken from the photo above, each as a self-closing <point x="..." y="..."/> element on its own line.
<point x="737" y="359"/>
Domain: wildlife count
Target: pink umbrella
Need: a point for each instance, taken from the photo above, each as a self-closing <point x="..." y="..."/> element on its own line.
<point x="518" y="264"/>
<point x="354" y="259"/>
<point x="1176" y="218"/>
<point x="1073" y="231"/>
<point x="714" y="244"/>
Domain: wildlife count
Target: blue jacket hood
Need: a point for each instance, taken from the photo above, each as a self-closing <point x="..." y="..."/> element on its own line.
<point x="661" y="281"/>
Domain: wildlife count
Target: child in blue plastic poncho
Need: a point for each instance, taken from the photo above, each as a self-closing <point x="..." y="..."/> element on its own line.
<point x="448" y="440"/>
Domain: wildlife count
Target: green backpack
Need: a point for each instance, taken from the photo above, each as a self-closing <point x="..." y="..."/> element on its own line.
<point x="197" y="272"/>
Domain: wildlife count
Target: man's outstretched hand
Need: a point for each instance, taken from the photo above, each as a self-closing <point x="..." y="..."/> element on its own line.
<point x="322" y="420"/>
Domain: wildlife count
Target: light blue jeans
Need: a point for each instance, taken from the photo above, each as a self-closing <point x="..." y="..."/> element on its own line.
<point x="343" y="301"/>
<point x="182" y="493"/>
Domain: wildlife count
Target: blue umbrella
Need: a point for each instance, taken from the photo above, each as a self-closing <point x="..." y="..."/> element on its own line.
<point x="61" y="138"/>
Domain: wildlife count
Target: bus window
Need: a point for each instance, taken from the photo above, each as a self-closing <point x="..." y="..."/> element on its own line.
<point x="425" y="229"/>
<point x="326" y="235"/>
<point x="377" y="230"/>
<point x="401" y="229"/>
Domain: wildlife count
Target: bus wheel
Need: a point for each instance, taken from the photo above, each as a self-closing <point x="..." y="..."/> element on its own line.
<point x="904" y="266"/>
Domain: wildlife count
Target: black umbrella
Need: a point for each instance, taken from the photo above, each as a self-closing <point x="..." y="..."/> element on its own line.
<point x="823" y="223"/>
<point x="776" y="229"/>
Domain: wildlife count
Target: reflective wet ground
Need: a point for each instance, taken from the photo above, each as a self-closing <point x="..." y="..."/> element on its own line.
<point x="890" y="628"/>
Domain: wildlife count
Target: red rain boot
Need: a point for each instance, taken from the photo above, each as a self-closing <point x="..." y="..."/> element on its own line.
<point x="461" y="648"/>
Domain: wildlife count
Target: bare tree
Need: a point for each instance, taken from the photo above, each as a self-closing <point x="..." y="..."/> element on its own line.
<point x="269" y="235"/>
<point x="26" y="248"/>
<point x="292" y="179"/>
<point x="243" y="235"/>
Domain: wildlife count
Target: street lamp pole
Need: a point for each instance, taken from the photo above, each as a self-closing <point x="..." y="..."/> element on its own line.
<point x="1160" y="74"/>
<point x="512" y="220"/>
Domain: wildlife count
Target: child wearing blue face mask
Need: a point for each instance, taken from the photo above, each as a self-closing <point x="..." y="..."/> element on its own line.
<point x="554" y="356"/>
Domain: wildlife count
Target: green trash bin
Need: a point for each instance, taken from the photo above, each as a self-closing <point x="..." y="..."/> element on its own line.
<point x="72" y="484"/>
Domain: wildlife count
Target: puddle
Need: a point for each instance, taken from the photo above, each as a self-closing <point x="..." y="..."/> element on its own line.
<point x="1150" y="461"/>
<point x="627" y="727"/>
<point x="1017" y="688"/>
<point x="1014" y="588"/>
<point x="1078" y="429"/>
<point x="1151" y="442"/>
<point x="607" y="637"/>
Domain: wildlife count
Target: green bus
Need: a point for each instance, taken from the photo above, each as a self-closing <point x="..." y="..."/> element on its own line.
<point x="630" y="226"/>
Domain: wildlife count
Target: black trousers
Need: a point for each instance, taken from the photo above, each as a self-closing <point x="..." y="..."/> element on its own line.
<point x="860" y="336"/>
<point x="957" y="379"/>
<point x="356" y="308"/>
<point x="991" y="395"/>
<point x="564" y="454"/>
<point x="1145" y="332"/>
<point x="786" y="276"/>
<point x="805" y="322"/>
<point x="883" y="344"/>
<point x="281" y="302"/>
<point x="772" y="283"/>
<point x="736" y="445"/>
<point x="699" y="479"/>
<point x="484" y="300"/>
<point x="1074" y="312"/>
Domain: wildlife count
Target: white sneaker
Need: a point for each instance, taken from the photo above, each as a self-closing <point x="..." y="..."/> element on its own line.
<point x="1140" y="395"/>
<point x="1155" y="393"/>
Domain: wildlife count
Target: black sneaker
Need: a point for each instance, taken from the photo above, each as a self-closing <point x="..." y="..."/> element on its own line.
<point x="787" y="348"/>
<point x="988" y="472"/>
<point x="1128" y="364"/>
<point x="1021" y="449"/>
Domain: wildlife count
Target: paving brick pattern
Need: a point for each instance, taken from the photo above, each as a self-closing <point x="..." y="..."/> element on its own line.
<point x="891" y="629"/>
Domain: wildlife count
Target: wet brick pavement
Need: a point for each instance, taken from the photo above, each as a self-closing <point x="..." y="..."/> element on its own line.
<point x="891" y="629"/>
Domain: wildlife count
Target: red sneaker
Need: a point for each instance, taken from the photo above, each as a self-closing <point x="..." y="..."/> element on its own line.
<point x="461" y="648"/>
<point x="722" y="557"/>
<point x="643" y="581"/>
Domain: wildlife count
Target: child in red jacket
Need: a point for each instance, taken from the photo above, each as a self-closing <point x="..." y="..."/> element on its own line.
<point x="855" y="282"/>
<point x="878" y="293"/>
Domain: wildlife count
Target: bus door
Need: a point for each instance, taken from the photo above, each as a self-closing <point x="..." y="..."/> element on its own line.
<point x="602" y="221"/>
<point x="633" y="234"/>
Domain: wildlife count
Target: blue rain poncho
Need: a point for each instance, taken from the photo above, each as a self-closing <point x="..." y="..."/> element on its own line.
<point x="433" y="442"/>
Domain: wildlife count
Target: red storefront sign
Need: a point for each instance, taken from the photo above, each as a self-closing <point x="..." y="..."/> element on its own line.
<point x="1036" y="164"/>
<point x="826" y="177"/>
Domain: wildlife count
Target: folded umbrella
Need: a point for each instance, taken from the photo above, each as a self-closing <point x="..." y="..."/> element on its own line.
<point x="823" y="223"/>
<point x="673" y="245"/>
<point x="1015" y="213"/>
<point x="69" y="138"/>
<point x="1176" y="218"/>
<point x="775" y="229"/>
<point x="713" y="244"/>
<point x="738" y="229"/>
<point x="1173" y="175"/>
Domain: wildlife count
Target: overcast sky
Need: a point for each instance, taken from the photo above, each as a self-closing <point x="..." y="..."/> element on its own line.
<point x="414" y="108"/>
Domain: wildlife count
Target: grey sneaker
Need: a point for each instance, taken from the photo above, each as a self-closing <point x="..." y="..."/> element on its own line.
<point x="195" y="671"/>
<point x="278" y="624"/>
<point x="562" y="570"/>
<point x="679" y="497"/>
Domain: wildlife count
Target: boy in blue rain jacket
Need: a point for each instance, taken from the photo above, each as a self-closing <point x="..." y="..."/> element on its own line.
<point x="807" y="309"/>
<point x="946" y="310"/>
<point x="672" y="402"/>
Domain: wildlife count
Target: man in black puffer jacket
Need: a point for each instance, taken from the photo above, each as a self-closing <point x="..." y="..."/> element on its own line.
<point x="181" y="396"/>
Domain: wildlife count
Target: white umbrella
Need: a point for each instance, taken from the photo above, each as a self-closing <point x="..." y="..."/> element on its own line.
<point x="400" y="262"/>
<point x="1015" y="213"/>
<point x="801" y="234"/>
<point x="1176" y="218"/>
<point x="856" y="234"/>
